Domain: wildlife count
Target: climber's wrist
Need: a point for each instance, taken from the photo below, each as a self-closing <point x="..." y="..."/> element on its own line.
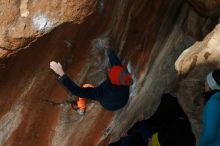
<point x="61" y="74"/>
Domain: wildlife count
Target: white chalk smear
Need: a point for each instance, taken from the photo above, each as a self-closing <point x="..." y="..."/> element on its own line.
<point x="13" y="118"/>
<point x="9" y="122"/>
<point x="133" y="87"/>
<point x="42" y="22"/>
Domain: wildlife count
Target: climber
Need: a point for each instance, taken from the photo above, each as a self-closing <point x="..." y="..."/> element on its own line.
<point x="210" y="135"/>
<point x="112" y="94"/>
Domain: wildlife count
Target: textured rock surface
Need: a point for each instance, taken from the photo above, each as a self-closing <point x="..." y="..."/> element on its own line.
<point x="150" y="36"/>
<point x="25" y="21"/>
<point x="192" y="66"/>
<point x="207" y="7"/>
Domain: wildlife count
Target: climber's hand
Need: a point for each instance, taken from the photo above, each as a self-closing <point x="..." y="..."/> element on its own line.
<point x="57" y="68"/>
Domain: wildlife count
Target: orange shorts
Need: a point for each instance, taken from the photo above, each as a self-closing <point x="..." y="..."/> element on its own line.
<point x="81" y="103"/>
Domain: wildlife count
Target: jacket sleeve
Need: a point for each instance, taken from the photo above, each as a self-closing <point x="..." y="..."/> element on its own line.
<point x="211" y="119"/>
<point x="113" y="58"/>
<point x="91" y="93"/>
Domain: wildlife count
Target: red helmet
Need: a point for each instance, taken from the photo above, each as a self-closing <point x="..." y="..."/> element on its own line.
<point x="118" y="75"/>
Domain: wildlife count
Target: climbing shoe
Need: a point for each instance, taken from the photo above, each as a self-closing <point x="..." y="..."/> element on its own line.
<point x="81" y="112"/>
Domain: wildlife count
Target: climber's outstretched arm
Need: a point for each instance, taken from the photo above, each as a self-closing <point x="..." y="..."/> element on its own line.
<point x="92" y="93"/>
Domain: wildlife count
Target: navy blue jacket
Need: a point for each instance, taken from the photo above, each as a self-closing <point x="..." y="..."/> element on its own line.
<point x="111" y="97"/>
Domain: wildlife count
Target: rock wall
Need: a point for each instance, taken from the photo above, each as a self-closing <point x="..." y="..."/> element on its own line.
<point x="208" y="8"/>
<point x="192" y="66"/>
<point x="25" y="21"/>
<point x="149" y="35"/>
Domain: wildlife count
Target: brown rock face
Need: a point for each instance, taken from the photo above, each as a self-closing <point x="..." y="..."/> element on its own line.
<point x="148" y="35"/>
<point x="192" y="66"/>
<point x="25" y="21"/>
<point x="207" y="7"/>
